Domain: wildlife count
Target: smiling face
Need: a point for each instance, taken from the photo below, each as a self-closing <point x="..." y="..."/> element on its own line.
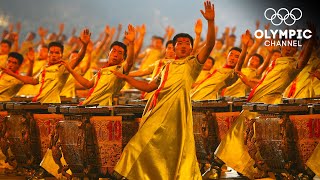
<point x="183" y="47"/>
<point x="116" y="55"/>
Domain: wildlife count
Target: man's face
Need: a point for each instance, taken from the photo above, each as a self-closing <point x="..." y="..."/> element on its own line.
<point x="5" y="49"/>
<point x="116" y="55"/>
<point x="232" y="58"/>
<point x="218" y="45"/>
<point x="231" y="41"/>
<point x="43" y="53"/>
<point x="254" y="62"/>
<point x="170" y="54"/>
<point x="54" y="55"/>
<point x="13" y="64"/>
<point x="207" y="65"/>
<point x="157" y="43"/>
<point x="183" y="47"/>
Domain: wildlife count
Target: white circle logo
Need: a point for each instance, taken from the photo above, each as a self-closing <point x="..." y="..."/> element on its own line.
<point x="276" y="15"/>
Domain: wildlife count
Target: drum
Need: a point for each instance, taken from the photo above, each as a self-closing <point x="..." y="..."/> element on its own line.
<point x="22" y="133"/>
<point x="90" y="140"/>
<point x="211" y="121"/>
<point x="282" y="137"/>
<point x="131" y="115"/>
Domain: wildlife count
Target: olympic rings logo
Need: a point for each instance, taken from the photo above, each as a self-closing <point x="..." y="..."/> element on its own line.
<point x="277" y="15"/>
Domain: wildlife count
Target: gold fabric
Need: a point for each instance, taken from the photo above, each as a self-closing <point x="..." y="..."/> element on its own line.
<point x="29" y="89"/>
<point x="151" y="56"/>
<point x="232" y="150"/>
<point x="154" y="68"/>
<point x="107" y="86"/>
<point x="277" y="80"/>
<point x="211" y="87"/>
<point x="304" y="81"/>
<point x="51" y="167"/>
<point x="55" y="78"/>
<point x="3" y="60"/>
<point x="219" y="58"/>
<point x="314" y="161"/>
<point x="9" y="86"/>
<point x="239" y="89"/>
<point x="164" y="146"/>
<point x="203" y="74"/>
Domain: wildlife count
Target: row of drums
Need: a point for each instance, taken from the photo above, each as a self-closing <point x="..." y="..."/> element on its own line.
<point x="88" y="140"/>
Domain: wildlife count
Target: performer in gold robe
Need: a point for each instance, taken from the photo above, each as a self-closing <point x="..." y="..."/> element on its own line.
<point x="302" y="86"/>
<point x="9" y="86"/>
<point x="104" y="84"/>
<point x="155" y="68"/>
<point x="164" y="146"/>
<point x="210" y="87"/>
<point x="232" y="150"/>
<point x="53" y="76"/>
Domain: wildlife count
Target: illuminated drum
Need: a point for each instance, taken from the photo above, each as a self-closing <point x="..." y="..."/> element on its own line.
<point x="211" y="121"/>
<point x="282" y="137"/>
<point x="23" y="133"/>
<point x="90" y="140"/>
<point x="131" y="115"/>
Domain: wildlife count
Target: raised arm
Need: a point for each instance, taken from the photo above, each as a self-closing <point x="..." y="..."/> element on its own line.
<point x="130" y="35"/>
<point x="209" y="15"/>
<point x="197" y="31"/>
<point x="85" y="39"/>
<point x="24" y="79"/>
<point x="245" y="39"/>
<point x="83" y="81"/>
<point x="266" y="61"/>
<point x="30" y="57"/>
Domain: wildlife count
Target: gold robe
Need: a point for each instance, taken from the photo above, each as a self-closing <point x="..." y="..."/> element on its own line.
<point x="29" y="89"/>
<point x="210" y="87"/>
<point x="232" y="150"/>
<point x="9" y="86"/>
<point x="314" y="161"/>
<point x="164" y="146"/>
<point x="219" y="57"/>
<point x="239" y="89"/>
<point x="3" y="60"/>
<point x="151" y="56"/>
<point x="303" y="85"/>
<point x="105" y="87"/>
<point x="155" y="69"/>
<point x="52" y="79"/>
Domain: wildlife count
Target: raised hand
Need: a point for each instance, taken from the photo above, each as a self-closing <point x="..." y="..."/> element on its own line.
<point x="208" y="12"/>
<point x="257" y="24"/>
<point x="31" y="55"/>
<point x="130" y="34"/>
<point x="61" y="27"/>
<point x="107" y="30"/>
<point x="118" y="74"/>
<point x="245" y="38"/>
<point x="66" y="64"/>
<point x="85" y="36"/>
<point x="198" y="27"/>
